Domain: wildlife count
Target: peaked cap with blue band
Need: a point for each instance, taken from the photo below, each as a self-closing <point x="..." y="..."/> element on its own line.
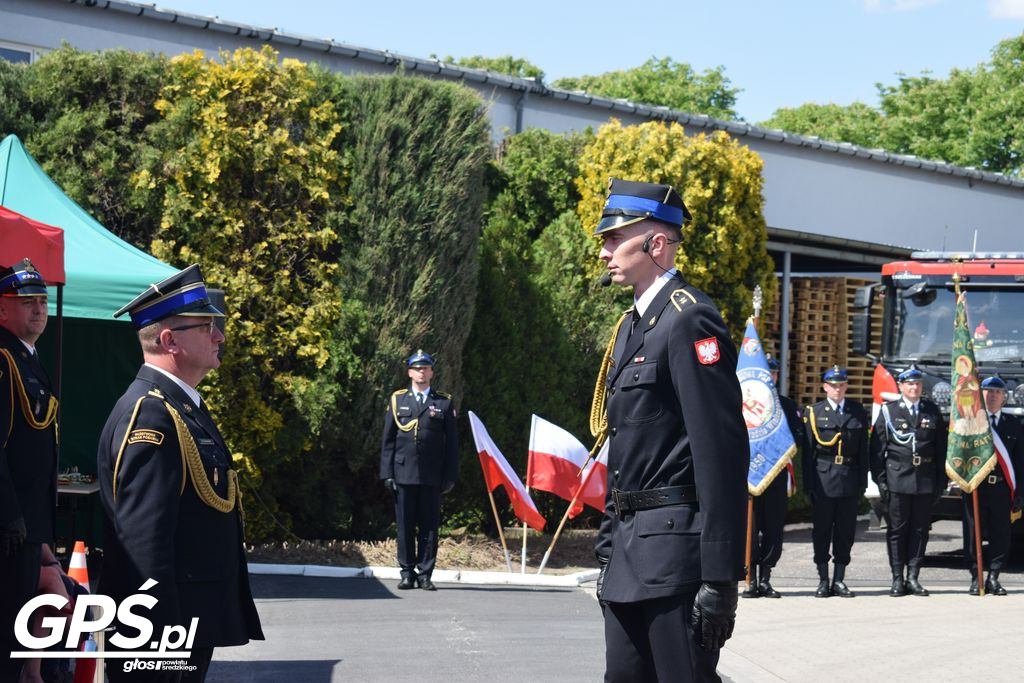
<point x="994" y="382"/>
<point x="420" y="359"/>
<point x="773" y="364"/>
<point x="631" y="202"/>
<point x="183" y="293"/>
<point x="911" y="374"/>
<point x="835" y="375"/>
<point x="22" y="279"/>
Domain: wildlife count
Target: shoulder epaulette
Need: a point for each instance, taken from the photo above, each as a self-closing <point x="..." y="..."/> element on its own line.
<point x="399" y="392"/>
<point x="443" y="394"/>
<point x="682" y="298"/>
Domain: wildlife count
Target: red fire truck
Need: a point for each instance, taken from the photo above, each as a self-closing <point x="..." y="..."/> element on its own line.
<point x="917" y="327"/>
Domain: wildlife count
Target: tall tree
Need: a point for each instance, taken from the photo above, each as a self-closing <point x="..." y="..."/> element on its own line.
<point x="506" y="64"/>
<point x="664" y="82"/>
<point x="857" y="123"/>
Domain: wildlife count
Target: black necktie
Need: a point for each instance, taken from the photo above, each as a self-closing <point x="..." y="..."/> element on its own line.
<point x="635" y="318"/>
<point x="419" y="398"/>
<point x="913" y="412"/>
<point x="995" y="421"/>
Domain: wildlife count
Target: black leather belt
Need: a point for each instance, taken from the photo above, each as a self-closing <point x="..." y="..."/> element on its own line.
<point x="631" y="501"/>
<point x="837" y="459"/>
<point x="995" y="478"/>
<point x="918" y="460"/>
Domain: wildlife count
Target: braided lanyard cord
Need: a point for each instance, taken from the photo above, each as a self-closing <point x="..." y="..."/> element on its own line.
<point x="828" y="444"/>
<point x="598" y="409"/>
<point x="410" y="426"/>
<point x="26" y="405"/>
<point x="190" y="454"/>
<point x="900" y="437"/>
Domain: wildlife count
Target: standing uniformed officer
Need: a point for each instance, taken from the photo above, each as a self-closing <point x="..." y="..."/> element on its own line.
<point x="770" y="507"/>
<point x="908" y="462"/>
<point x="28" y="454"/>
<point x="995" y="500"/>
<point x="419" y="461"/>
<point x="835" y="466"/>
<point x="170" y="494"/>
<point x="671" y="544"/>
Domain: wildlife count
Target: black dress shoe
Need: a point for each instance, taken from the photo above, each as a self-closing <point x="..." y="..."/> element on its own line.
<point x="824" y="590"/>
<point x="406" y="583"/>
<point x="914" y="586"/>
<point x="425" y="583"/>
<point x="752" y="592"/>
<point x="973" y="590"/>
<point x="839" y="588"/>
<point x="765" y="590"/>
<point x="899" y="588"/>
<point x="993" y="587"/>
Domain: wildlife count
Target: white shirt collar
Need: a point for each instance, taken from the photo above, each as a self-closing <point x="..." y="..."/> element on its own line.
<point x="643" y="303"/>
<point x="910" y="404"/>
<point x="415" y="393"/>
<point x="30" y="347"/>
<point x="838" y="407"/>
<point x="189" y="391"/>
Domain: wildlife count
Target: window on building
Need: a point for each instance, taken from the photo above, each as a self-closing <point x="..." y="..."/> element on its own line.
<point x="13" y="52"/>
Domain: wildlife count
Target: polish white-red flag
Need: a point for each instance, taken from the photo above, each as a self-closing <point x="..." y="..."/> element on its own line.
<point x="595" y="480"/>
<point x="498" y="472"/>
<point x="555" y="460"/>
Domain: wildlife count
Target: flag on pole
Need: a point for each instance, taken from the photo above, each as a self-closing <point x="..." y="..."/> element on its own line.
<point x="970" y="455"/>
<point x="556" y="458"/>
<point x="883" y="390"/>
<point x="771" y="443"/>
<point x="497" y="472"/>
<point x="594" y="480"/>
<point x="1005" y="464"/>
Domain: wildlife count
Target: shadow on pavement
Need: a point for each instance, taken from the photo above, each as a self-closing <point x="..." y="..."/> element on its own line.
<point x="316" y="588"/>
<point x="307" y="671"/>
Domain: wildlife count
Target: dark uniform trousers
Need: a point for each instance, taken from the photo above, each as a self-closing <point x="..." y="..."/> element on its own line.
<point x="420" y="452"/>
<point x="28" y="482"/>
<point x="770" y="506"/>
<point x="909" y="456"/>
<point x="835" y="466"/>
<point x="674" y="420"/>
<point x="164" y="522"/>
<point x="994" y="500"/>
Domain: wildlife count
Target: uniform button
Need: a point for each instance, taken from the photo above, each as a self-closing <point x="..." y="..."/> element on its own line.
<point x="616" y="474"/>
<point x="670" y="523"/>
<point x="636" y="376"/>
<point x="613" y="390"/>
<point x="613" y="431"/>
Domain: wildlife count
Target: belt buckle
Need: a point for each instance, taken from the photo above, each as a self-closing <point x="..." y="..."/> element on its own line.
<point x="916" y="460"/>
<point x="839" y="460"/>
<point x="615" y="502"/>
<point x="992" y="479"/>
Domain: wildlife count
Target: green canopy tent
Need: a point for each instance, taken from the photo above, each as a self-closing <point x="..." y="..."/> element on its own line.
<point x="100" y="356"/>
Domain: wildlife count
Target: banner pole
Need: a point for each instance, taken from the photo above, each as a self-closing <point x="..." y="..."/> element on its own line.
<point x="501" y="534"/>
<point x="977" y="542"/>
<point x="750" y="539"/>
<point x="522" y="558"/>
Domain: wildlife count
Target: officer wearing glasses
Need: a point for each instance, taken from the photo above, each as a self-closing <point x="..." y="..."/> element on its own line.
<point x="168" y="489"/>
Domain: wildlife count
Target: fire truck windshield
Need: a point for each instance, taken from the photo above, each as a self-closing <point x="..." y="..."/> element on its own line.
<point x="923" y="324"/>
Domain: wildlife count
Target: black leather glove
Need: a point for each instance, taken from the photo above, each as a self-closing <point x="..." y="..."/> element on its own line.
<point x="883" y="492"/>
<point x="603" y="561"/>
<point x="12" y="535"/>
<point x="447" y="487"/>
<point x="390" y="485"/>
<point x="1018" y="504"/>
<point x="714" y="613"/>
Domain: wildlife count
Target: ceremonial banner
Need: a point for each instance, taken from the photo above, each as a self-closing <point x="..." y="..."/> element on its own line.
<point x="771" y="443"/>
<point x="498" y="472"/>
<point x="970" y="455"/>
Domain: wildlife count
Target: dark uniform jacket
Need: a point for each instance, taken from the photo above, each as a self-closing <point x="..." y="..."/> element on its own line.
<point x="1011" y="431"/>
<point x="28" y="452"/>
<point x="840" y="469"/>
<point x="421" y="446"/>
<point x="161" y="523"/>
<point x="794" y="420"/>
<point x="917" y="466"/>
<point x="674" y="418"/>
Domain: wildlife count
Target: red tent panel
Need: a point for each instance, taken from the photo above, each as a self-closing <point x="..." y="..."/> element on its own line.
<point x="22" y="237"/>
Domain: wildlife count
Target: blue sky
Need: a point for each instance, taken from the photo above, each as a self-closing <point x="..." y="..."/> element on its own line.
<point x="781" y="54"/>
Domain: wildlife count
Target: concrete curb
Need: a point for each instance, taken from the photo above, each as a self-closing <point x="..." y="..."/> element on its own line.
<point x="439" y="576"/>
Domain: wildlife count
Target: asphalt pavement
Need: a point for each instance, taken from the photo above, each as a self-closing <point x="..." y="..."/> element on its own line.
<point x="364" y="629"/>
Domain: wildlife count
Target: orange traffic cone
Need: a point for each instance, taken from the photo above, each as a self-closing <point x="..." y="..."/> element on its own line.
<point x="78" y="570"/>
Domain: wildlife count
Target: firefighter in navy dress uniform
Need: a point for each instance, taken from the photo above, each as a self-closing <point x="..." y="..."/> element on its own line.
<point x="995" y="501"/>
<point x="28" y="454"/>
<point x="908" y="462"/>
<point x="419" y="461"/>
<point x="171" y="497"/>
<point x="671" y="543"/>
<point x="835" y="467"/>
<point x="770" y="507"/>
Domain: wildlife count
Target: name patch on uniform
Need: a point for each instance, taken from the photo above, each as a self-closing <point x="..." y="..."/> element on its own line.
<point x="146" y="436"/>
<point x="707" y="350"/>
